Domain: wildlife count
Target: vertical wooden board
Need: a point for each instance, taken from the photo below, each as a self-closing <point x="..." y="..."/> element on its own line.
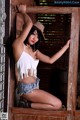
<point x="19" y="24"/>
<point x="73" y="61"/>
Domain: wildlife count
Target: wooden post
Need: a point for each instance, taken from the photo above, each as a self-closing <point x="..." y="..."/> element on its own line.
<point x="73" y="62"/>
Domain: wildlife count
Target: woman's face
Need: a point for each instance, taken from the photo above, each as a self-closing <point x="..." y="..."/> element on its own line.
<point x="33" y="38"/>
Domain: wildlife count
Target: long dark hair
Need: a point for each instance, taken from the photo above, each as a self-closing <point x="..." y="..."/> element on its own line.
<point x="40" y="37"/>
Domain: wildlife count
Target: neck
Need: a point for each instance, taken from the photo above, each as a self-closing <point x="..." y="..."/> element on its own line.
<point x="27" y="45"/>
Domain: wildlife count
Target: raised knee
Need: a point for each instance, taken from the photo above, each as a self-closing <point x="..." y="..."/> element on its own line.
<point x="58" y="105"/>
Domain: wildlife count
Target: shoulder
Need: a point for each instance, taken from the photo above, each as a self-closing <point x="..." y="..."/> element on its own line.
<point x="38" y="53"/>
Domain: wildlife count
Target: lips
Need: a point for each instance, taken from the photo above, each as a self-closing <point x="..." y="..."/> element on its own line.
<point x="32" y="41"/>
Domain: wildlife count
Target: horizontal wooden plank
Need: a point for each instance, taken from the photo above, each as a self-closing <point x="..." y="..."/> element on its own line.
<point x="30" y="111"/>
<point x="47" y="9"/>
<point x="36" y="117"/>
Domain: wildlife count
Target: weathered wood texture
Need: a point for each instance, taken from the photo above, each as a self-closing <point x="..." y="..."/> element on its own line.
<point x="47" y="9"/>
<point x="32" y="114"/>
<point x="77" y="115"/>
<point x="27" y="2"/>
<point x="73" y="61"/>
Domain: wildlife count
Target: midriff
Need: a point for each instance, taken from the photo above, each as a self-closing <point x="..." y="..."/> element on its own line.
<point x="28" y="80"/>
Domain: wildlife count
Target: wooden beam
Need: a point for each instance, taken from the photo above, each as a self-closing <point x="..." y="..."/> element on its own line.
<point x="47" y="9"/>
<point x="73" y="61"/>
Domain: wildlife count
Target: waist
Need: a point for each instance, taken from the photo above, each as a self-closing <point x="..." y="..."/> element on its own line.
<point x="25" y="73"/>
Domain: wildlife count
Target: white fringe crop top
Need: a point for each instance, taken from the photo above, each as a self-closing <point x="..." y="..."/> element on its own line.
<point x="26" y="66"/>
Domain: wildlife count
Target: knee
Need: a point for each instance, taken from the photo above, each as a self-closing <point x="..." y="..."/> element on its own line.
<point x="58" y="105"/>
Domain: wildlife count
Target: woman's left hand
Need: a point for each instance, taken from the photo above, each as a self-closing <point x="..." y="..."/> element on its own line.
<point x="68" y="43"/>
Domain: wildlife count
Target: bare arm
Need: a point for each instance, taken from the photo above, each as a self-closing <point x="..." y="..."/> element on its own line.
<point x="27" y="25"/>
<point x="18" y="42"/>
<point x="50" y="60"/>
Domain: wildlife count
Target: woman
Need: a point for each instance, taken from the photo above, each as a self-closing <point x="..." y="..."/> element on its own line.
<point x="26" y="61"/>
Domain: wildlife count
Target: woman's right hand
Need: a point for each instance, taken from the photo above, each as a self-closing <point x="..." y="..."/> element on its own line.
<point x="22" y="8"/>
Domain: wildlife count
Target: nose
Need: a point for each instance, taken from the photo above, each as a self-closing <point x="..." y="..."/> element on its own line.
<point x="35" y="38"/>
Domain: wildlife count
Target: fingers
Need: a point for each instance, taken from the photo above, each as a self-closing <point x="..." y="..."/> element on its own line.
<point x="21" y="8"/>
<point x="68" y="43"/>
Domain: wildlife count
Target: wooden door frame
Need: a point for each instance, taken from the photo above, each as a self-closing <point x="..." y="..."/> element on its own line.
<point x="73" y="56"/>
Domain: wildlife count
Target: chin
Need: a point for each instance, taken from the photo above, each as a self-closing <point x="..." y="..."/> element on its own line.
<point x="32" y="43"/>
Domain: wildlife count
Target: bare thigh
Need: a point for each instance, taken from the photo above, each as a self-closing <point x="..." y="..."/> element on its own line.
<point x="41" y="96"/>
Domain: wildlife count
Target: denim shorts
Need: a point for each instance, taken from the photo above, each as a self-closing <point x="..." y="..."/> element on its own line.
<point x="23" y="88"/>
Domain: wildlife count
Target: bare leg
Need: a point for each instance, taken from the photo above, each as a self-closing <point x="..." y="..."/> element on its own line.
<point x="43" y="100"/>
